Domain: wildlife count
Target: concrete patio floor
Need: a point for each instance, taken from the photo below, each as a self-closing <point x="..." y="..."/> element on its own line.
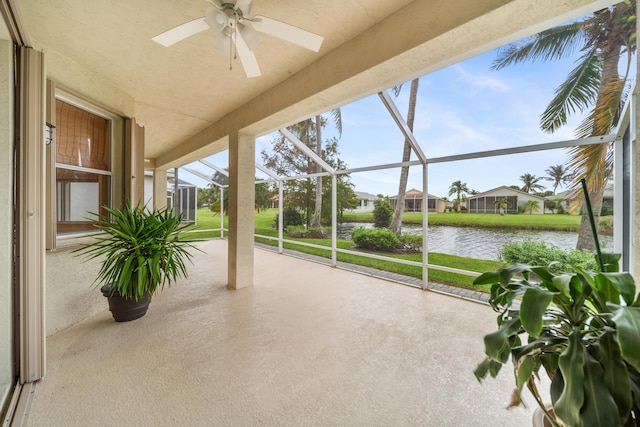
<point x="306" y="345"/>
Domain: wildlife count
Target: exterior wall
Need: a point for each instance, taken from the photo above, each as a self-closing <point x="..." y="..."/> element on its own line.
<point x="485" y="202"/>
<point x="523" y="199"/>
<point x="365" y="206"/>
<point x="6" y="215"/>
<point x="70" y="296"/>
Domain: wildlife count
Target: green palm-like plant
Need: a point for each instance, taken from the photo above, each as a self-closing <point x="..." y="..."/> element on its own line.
<point x="531" y="206"/>
<point x="502" y="203"/>
<point x="583" y="328"/>
<point x="460" y="189"/>
<point x="530" y="183"/>
<point x="559" y="174"/>
<point x="594" y="84"/>
<point x="140" y="250"/>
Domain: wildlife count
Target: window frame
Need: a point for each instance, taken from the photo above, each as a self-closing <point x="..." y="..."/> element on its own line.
<point x="116" y="131"/>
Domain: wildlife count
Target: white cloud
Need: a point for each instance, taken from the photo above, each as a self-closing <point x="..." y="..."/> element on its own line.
<point x="479" y="82"/>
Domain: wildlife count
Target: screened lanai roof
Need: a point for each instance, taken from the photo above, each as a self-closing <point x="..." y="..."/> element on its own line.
<point x="189" y="100"/>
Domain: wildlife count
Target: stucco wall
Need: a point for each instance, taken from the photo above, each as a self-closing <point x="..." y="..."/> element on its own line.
<point x="71" y="295"/>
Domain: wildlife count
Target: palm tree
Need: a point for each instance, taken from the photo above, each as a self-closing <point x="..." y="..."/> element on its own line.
<point x="396" y="224"/>
<point x="594" y="83"/>
<point x="502" y="203"/>
<point x="559" y="174"/>
<point x="532" y="205"/>
<point x="530" y="183"/>
<point x="336" y="115"/>
<point x="460" y="189"/>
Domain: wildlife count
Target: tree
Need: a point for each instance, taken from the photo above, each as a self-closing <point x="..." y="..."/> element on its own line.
<point x="595" y="84"/>
<point x="502" y="203"/>
<point x="396" y="224"/>
<point x="530" y="183"/>
<point x="262" y="196"/>
<point x="285" y="159"/>
<point x="336" y="115"/>
<point x="460" y="189"/>
<point x="206" y="196"/>
<point x="382" y="212"/>
<point x="531" y="206"/>
<point x="559" y="174"/>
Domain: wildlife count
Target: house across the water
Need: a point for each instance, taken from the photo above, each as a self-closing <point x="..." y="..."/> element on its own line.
<point x="516" y="200"/>
<point x="413" y="202"/>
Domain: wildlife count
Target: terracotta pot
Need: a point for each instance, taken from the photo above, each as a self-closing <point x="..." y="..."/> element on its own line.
<point x="125" y="309"/>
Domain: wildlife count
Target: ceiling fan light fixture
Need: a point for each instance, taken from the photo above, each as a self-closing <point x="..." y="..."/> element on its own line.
<point x="216" y="20"/>
<point x="222" y="44"/>
<point x="250" y="36"/>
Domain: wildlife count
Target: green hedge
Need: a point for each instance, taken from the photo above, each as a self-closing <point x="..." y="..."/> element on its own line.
<point x="540" y="254"/>
<point x="379" y="239"/>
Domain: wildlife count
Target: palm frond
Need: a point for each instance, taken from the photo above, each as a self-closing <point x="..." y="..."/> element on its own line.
<point x="554" y="43"/>
<point x="336" y="115"/>
<point x="577" y="93"/>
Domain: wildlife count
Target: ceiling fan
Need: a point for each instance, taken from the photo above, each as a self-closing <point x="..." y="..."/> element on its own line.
<point x="230" y="19"/>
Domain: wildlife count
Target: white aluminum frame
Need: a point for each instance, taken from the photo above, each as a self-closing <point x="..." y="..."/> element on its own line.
<point x="626" y="122"/>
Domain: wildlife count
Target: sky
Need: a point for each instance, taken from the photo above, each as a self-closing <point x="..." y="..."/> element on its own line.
<point x="460" y="109"/>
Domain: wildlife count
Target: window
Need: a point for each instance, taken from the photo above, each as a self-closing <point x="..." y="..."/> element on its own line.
<point x="83" y="167"/>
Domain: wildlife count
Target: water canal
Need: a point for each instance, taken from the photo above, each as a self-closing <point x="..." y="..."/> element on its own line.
<point x="480" y="243"/>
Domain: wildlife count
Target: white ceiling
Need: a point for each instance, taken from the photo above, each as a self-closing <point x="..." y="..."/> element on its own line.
<point x="178" y="93"/>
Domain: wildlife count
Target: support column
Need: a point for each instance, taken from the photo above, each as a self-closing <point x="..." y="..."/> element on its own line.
<point x="159" y="188"/>
<point x="241" y="210"/>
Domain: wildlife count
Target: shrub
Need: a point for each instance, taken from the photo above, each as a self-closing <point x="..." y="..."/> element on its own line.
<point x="606" y="210"/>
<point x="541" y="254"/>
<point x="411" y="242"/>
<point x="606" y="225"/>
<point x="376" y="239"/>
<point x="290" y="216"/>
<point x="382" y="212"/>
<point x="302" y="232"/>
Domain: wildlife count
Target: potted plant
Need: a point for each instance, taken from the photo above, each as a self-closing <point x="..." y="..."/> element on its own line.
<point x="582" y="327"/>
<point x="140" y="251"/>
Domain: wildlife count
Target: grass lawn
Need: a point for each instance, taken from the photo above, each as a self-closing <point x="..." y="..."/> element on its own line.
<point x="264" y="220"/>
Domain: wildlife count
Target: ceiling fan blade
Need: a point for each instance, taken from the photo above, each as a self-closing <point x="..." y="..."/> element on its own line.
<point x="181" y="32"/>
<point x="287" y="32"/>
<point x="247" y="57"/>
<point x="244" y="6"/>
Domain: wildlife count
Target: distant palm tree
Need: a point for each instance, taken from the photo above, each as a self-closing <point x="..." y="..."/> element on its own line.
<point x="532" y="205"/>
<point x="460" y="189"/>
<point x="396" y="224"/>
<point x="559" y="174"/>
<point x="594" y="83"/>
<point x="530" y="183"/>
<point x="502" y="203"/>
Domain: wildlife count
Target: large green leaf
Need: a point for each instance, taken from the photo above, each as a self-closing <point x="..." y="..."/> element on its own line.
<point x="488" y="278"/>
<point x="497" y="345"/>
<point x="624" y="284"/>
<point x="561" y="283"/>
<point x="599" y="409"/>
<point x="616" y="375"/>
<point x="607" y="288"/>
<point x="571" y="363"/>
<point x="524" y="369"/>
<point x="534" y="304"/>
<point x="627" y="320"/>
<point x="487" y="366"/>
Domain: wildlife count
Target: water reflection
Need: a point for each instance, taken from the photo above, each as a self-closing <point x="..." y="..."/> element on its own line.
<point x="479" y="243"/>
